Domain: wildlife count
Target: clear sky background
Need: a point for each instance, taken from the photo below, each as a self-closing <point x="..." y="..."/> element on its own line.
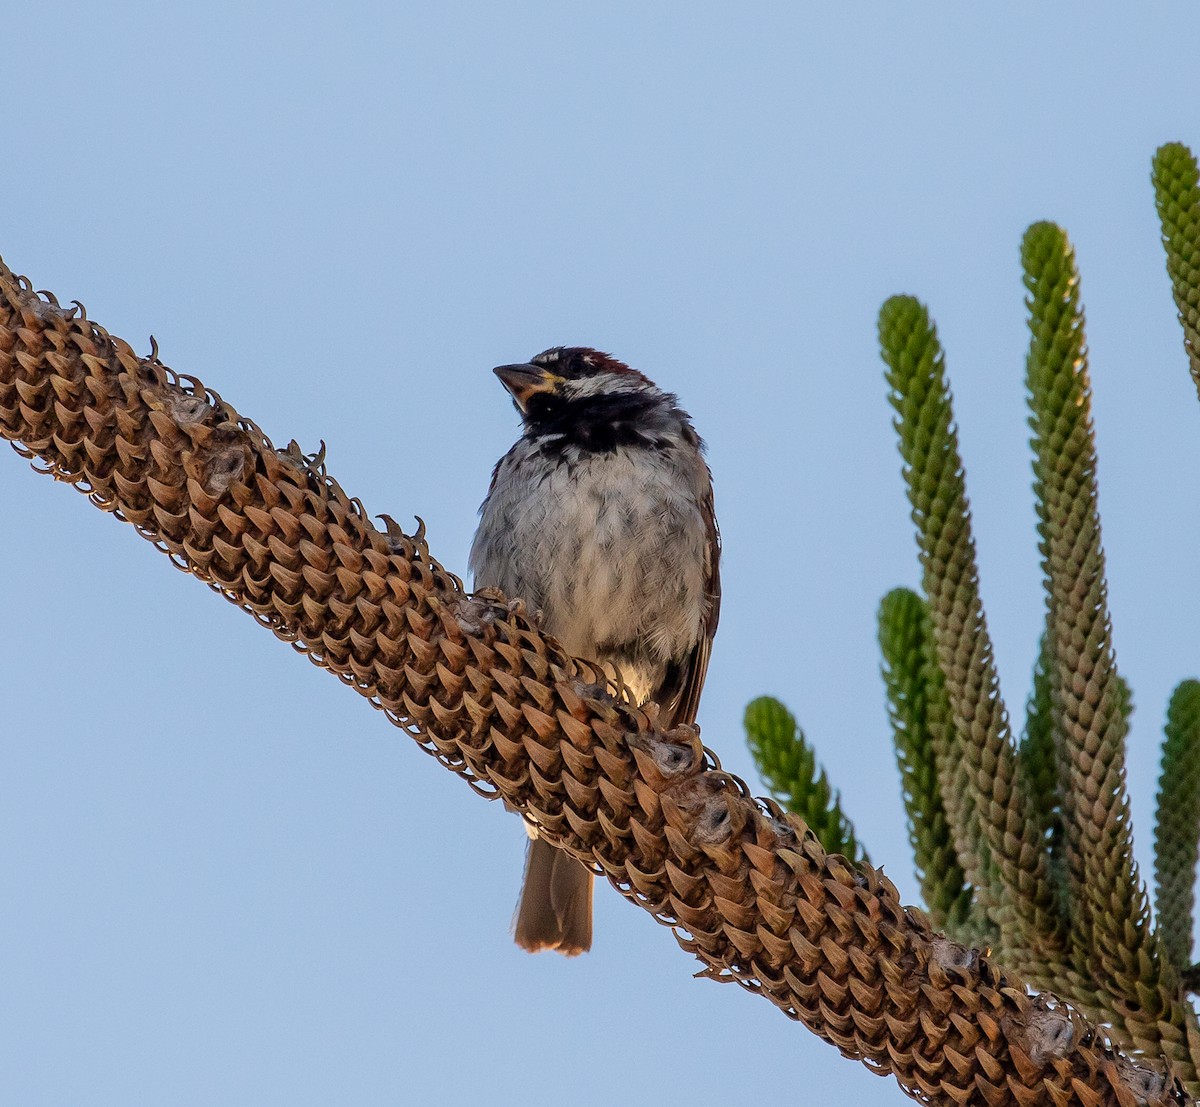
<point x="226" y="880"/>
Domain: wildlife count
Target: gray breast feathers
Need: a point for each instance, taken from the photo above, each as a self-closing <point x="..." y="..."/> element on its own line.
<point x="613" y="549"/>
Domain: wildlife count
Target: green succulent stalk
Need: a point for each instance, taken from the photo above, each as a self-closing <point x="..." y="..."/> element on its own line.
<point x="1038" y="749"/>
<point x="1177" y="825"/>
<point x="789" y="768"/>
<point x="995" y="801"/>
<point x="920" y="718"/>
<point x="1176" y="180"/>
<point x="1111" y="936"/>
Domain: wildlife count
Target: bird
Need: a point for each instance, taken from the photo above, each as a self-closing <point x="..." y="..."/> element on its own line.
<point x="600" y="518"/>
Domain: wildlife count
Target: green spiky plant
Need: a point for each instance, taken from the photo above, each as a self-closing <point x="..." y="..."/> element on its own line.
<point x="1024" y="846"/>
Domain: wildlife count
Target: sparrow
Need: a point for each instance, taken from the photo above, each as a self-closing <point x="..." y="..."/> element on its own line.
<point x="600" y="518"/>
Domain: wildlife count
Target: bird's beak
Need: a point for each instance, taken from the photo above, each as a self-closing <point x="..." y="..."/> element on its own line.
<point x="525" y="381"/>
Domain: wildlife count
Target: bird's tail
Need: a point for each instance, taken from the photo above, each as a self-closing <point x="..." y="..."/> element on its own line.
<point x="555" y="909"/>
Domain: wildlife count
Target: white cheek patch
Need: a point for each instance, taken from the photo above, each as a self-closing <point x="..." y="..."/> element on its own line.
<point x="605" y="384"/>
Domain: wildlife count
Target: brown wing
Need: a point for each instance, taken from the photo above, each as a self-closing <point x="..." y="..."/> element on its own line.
<point x="678" y="696"/>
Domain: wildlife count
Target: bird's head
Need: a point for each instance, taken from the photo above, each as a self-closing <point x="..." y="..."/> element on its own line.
<point x="576" y="384"/>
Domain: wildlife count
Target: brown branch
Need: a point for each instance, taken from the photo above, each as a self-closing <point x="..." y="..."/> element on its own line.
<point x="473" y="680"/>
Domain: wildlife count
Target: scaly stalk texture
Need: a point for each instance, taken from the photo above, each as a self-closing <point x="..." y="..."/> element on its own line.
<point x="1176" y="180"/>
<point x="1039" y="757"/>
<point x="920" y="715"/>
<point x="476" y="683"/>
<point x="1038" y="743"/>
<point x="1024" y="910"/>
<point x="789" y="769"/>
<point x="1112" y="940"/>
<point x="1177" y="825"/>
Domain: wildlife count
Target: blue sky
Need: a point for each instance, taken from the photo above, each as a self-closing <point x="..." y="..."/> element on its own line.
<point x="227" y="880"/>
